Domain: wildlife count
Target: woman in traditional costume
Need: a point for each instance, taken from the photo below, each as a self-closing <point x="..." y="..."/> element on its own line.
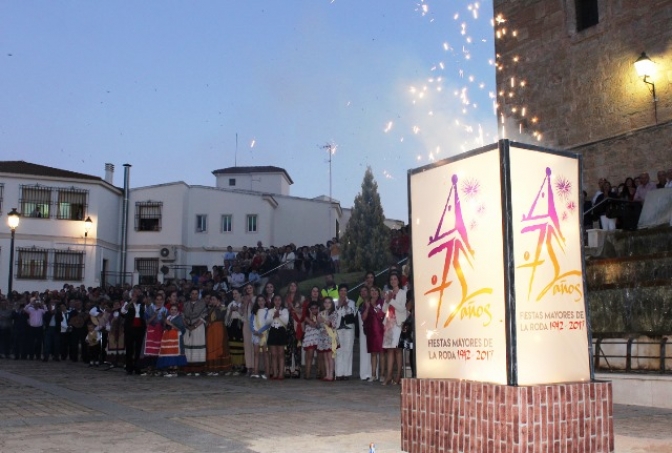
<point x="218" y="358"/>
<point x="296" y="305"/>
<point x="195" y="313"/>
<point x="234" y="330"/>
<point x="155" y="315"/>
<point x="247" y="300"/>
<point x="116" y="348"/>
<point x="171" y="354"/>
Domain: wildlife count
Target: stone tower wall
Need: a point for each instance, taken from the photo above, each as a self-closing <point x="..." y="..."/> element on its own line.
<point x="581" y="86"/>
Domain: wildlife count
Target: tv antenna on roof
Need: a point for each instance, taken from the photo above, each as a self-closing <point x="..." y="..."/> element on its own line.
<point x="331" y="149"/>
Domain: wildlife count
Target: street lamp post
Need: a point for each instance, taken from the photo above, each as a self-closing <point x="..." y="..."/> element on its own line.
<point x="13" y="222"/>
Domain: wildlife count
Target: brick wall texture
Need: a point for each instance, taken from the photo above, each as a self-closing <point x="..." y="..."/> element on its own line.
<point x="582" y="87"/>
<point x="445" y="415"/>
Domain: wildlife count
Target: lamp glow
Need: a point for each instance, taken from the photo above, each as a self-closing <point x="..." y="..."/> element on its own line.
<point x="645" y="69"/>
<point x="13" y="219"/>
<point x="644" y="66"/>
<point x="13" y="222"/>
<point x="88" y="223"/>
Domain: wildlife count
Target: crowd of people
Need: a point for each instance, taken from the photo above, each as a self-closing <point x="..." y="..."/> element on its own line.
<point x="256" y="264"/>
<point x="604" y="206"/>
<point x="191" y="328"/>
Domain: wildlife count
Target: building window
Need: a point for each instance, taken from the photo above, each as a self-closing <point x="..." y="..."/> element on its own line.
<point x="251" y="223"/>
<point x="587" y="14"/>
<point x="232" y="182"/>
<point x="201" y="223"/>
<point x="2" y="189"/>
<point x="227" y="223"/>
<point x="71" y="204"/>
<point x="68" y="265"/>
<point x="148" y="216"/>
<point x="35" y="201"/>
<point x="32" y="263"/>
<point x="148" y="268"/>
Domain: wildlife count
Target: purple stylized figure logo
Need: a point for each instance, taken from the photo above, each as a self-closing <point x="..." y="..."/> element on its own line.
<point x="451" y="237"/>
<point x="543" y="219"/>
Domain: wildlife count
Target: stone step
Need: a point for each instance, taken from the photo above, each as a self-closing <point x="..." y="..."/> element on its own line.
<point x="622" y="243"/>
<point x="629" y="272"/>
<point x="638" y="309"/>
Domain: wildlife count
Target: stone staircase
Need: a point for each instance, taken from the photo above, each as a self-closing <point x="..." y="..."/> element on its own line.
<point x="629" y="281"/>
<point x="629" y="289"/>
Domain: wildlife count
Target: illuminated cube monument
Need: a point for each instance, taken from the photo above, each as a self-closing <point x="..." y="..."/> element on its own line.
<point x="501" y="320"/>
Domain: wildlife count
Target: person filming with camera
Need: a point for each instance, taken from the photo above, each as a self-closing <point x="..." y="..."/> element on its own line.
<point x="35" y="311"/>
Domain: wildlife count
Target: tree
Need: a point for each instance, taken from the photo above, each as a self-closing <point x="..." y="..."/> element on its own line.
<point x="366" y="244"/>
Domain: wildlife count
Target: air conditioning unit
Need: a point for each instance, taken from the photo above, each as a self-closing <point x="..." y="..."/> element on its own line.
<point x="167" y="253"/>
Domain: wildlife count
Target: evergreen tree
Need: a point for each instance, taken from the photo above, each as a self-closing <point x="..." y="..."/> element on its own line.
<point x="366" y="243"/>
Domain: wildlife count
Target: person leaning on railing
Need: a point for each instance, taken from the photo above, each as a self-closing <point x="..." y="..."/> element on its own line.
<point x="601" y="207"/>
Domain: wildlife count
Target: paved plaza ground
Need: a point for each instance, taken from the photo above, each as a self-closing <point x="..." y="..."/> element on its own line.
<point x="65" y="407"/>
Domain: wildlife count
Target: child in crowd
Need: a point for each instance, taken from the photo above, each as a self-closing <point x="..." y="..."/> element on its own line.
<point x="277" y="336"/>
<point x="311" y="336"/>
<point x="93" y="340"/>
<point x="328" y="341"/>
<point x="259" y="326"/>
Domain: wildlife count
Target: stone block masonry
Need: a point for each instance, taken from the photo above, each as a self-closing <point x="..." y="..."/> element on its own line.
<point x="582" y="87"/>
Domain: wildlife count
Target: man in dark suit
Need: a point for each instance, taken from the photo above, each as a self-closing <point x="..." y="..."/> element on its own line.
<point x="51" y="320"/>
<point x="134" y="329"/>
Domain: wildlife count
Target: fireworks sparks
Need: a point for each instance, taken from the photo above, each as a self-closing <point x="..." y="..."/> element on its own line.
<point x="461" y="71"/>
<point x="512" y="101"/>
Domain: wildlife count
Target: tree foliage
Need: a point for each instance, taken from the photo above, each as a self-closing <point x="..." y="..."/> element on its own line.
<point x="366" y="243"/>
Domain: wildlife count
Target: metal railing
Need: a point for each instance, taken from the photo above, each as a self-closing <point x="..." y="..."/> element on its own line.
<point x="377" y="274"/>
<point x="628" y="361"/>
<point x="627" y="211"/>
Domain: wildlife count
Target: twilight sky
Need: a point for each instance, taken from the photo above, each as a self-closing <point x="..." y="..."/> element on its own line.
<point x="167" y="85"/>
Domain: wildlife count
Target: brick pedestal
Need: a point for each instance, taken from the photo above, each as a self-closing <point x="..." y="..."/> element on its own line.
<point x="445" y="415"/>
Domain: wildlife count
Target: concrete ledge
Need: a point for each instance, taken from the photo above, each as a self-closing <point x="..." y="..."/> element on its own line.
<point x="647" y="390"/>
<point x="596" y="238"/>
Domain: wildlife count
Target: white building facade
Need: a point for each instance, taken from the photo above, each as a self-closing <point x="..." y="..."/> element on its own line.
<point x="171" y="228"/>
<point x="52" y="246"/>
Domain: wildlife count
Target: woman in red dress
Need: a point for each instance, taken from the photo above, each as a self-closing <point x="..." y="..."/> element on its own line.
<point x="372" y="317"/>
